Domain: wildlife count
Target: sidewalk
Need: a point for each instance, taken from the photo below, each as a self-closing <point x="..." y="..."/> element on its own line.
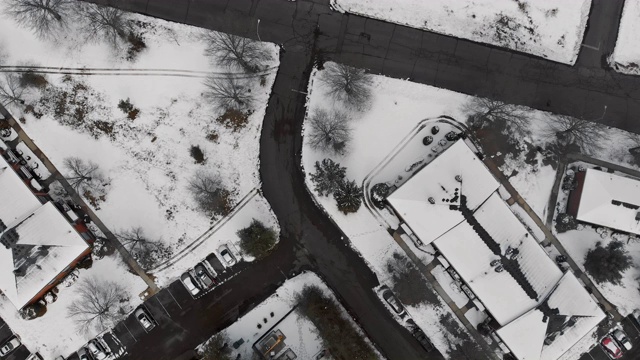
<point x="55" y="174"/>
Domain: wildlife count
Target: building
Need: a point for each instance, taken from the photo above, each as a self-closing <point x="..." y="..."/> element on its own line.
<point x="453" y="203"/>
<point x="292" y="337"/>
<point x="606" y="199"/>
<point x="38" y="244"/>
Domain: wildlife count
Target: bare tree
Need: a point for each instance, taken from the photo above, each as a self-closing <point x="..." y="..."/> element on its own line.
<point x="209" y="193"/>
<point x="235" y="51"/>
<point x="229" y="92"/>
<point x="84" y="174"/>
<point x="566" y="131"/>
<point x="99" y="305"/>
<point x="330" y="131"/>
<point x="148" y="252"/>
<point x="45" y="17"/>
<point x="347" y="84"/>
<point x="484" y="111"/>
<point x="107" y="23"/>
<point x="11" y="90"/>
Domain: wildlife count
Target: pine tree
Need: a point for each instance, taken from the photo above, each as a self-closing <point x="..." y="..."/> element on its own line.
<point x="328" y="176"/>
<point x="348" y="195"/>
<point x="606" y="264"/>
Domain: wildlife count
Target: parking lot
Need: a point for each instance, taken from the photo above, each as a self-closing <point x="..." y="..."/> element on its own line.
<point x="20" y="353"/>
<point x="170" y="302"/>
<point x="632" y="329"/>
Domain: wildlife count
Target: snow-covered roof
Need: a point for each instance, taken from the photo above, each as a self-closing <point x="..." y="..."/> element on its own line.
<point x="36" y="242"/>
<point x="528" y="275"/>
<point x="553" y="327"/>
<point x="438" y="181"/>
<point x="610" y="200"/>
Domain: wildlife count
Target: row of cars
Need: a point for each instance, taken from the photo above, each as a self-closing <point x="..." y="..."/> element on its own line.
<point x="392" y="301"/>
<point x="613" y="343"/>
<point x="204" y="276"/>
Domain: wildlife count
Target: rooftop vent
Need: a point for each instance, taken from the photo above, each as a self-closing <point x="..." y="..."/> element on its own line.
<point x="458" y="178"/>
<point x="431" y="200"/>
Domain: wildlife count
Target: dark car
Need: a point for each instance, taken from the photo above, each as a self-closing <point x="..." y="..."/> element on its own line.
<point x="422" y="339"/>
<point x="203" y="276"/>
<point x="393" y="301"/>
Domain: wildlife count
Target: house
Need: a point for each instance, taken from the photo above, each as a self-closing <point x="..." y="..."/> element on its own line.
<point x="606" y="199"/>
<point x="39" y="246"/>
<point x="453" y="203"/>
<point x="292" y="337"/>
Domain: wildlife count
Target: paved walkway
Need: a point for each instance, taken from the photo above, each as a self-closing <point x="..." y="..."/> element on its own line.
<point x="133" y="264"/>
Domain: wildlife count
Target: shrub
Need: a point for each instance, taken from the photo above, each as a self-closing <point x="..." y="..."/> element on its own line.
<point x="136" y="45"/>
<point x="31" y="79"/>
<point x="565" y="222"/>
<point x="234" y="119"/>
<point x="340" y="336"/>
<point x="197" y="154"/>
<point x="125" y="105"/>
<point x="379" y="193"/>
<point x="213" y="136"/>
<point x="606" y="264"/>
<point x="348" y="196"/>
<point x="257" y="240"/>
<point x="328" y="176"/>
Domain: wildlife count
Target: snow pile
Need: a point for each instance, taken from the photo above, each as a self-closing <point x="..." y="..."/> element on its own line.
<point x="546" y="28"/>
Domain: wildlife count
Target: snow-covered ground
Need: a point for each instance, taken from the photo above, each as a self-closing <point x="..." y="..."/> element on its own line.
<point x="546" y="28"/>
<point x="397" y="107"/>
<point x="626" y="55"/>
<point x="54" y="333"/>
<point x="253" y="326"/>
<point x="147" y="161"/>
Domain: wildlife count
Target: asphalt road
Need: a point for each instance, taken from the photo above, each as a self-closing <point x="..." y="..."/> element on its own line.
<point x="309" y="238"/>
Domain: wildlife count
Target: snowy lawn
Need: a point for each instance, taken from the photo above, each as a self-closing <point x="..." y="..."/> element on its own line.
<point x="145" y="148"/>
<point x="55" y="334"/>
<point x="396" y="108"/>
<point x="546" y="28"/>
<point x="626" y="55"/>
<point x="297" y="328"/>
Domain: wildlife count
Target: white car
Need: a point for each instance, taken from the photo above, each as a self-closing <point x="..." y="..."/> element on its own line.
<point x="10" y="345"/>
<point x="97" y="350"/>
<point x="622" y="339"/>
<point x="227" y="256"/>
<point x="189" y="284"/>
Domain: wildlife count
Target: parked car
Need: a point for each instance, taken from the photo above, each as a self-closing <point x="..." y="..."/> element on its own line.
<point x="393" y="301"/>
<point x="215" y="263"/>
<point x="636" y="316"/>
<point x="10" y="345"/>
<point x="82" y="354"/>
<point x="609" y="346"/>
<point x="203" y="275"/>
<point x="144" y="319"/>
<point x="189" y="284"/>
<point x="622" y="339"/>
<point x="96" y="349"/>
<point x="35" y="356"/>
<point x="227" y="256"/>
<point x="422" y="339"/>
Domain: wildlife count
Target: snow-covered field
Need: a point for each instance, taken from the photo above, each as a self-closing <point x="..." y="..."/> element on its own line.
<point x="626" y="55"/>
<point x="546" y="28"/>
<point x="397" y="106"/>
<point x="55" y="334"/>
<point x="147" y="160"/>
<point x="273" y="309"/>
